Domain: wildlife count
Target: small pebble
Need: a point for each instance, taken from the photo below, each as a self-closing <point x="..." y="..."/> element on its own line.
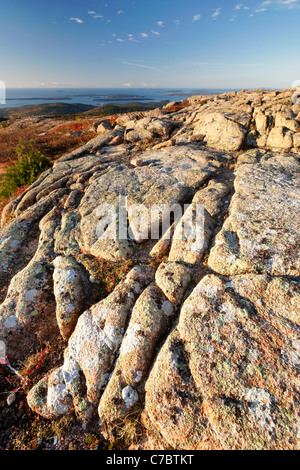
<point x="11" y="398"/>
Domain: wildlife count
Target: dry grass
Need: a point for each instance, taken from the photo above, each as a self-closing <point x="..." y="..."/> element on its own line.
<point x="51" y="136"/>
<point x="20" y="427"/>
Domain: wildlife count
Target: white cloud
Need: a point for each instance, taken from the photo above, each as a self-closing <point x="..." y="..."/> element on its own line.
<point x="94" y="14"/>
<point x="131" y="38"/>
<point x="197" y="17"/>
<point x="144" y="35"/>
<point x="177" y="22"/>
<point x="78" y="20"/>
<point x="120" y="40"/>
<point x="288" y="3"/>
<point x="238" y="6"/>
<point x="155" y="32"/>
<point x="216" y="13"/>
<point x="120" y="12"/>
<point x="161" y="24"/>
<point x="283" y="4"/>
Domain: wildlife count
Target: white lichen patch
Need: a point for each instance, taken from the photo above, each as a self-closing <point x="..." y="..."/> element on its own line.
<point x="231" y="259"/>
<point x="209" y="290"/>
<point x="101" y="311"/>
<point x="70" y="370"/>
<point x="11" y="322"/>
<point x="30" y="295"/>
<point x="131" y="339"/>
<point x="291" y="353"/>
<point x="138" y="376"/>
<point x="167" y="308"/>
<point x="70" y="308"/>
<point x="57" y="394"/>
<point x="130" y="396"/>
<point x="63" y="278"/>
<point x="261" y="407"/>
<point x="110" y="337"/>
<point x="209" y="348"/>
<point x="231" y="313"/>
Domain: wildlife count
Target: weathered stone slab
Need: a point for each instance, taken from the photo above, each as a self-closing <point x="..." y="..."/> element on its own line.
<point x="91" y="353"/>
<point x="219" y="131"/>
<point x="226" y="376"/>
<point x="262" y="232"/>
<point x="165" y="177"/>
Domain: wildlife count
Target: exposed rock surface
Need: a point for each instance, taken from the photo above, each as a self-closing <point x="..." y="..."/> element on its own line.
<point x="201" y="335"/>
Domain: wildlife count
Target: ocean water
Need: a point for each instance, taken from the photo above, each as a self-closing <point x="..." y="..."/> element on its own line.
<point x="98" y="96"/>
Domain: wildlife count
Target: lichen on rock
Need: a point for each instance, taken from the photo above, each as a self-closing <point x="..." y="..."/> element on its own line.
<point x="199" y="339"/>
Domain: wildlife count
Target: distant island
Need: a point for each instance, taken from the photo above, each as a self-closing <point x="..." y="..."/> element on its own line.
<point x="58" y="109"/>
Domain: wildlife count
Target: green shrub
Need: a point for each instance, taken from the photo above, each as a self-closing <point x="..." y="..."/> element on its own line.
<point x="29" y="165"/>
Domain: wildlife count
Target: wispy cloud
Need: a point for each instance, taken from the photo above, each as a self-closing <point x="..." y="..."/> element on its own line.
<point x="132" y="38"/>
<point x="197" y="17"/>
<point x="95" y="15"/>
<point x="142" y="66"/>
<point x="78" y="20"/>
<point x="288" y="3"/>
<point x="144" y="35"/>
<point x="160" y="24"/>
<point x="278" y="4"/>
<point x="156" y="33"/>
<point x="227" y="64"/>
<point x="216" y="13"/>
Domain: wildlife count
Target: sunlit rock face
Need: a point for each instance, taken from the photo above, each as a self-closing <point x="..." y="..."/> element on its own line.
<point x="187" y="319"/>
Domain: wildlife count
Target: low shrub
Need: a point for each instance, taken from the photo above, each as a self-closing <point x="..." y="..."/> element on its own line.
<point x="30" y="163"/>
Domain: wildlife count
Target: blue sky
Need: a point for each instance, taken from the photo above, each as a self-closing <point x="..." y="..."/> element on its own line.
<point x="149" y="43"/>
